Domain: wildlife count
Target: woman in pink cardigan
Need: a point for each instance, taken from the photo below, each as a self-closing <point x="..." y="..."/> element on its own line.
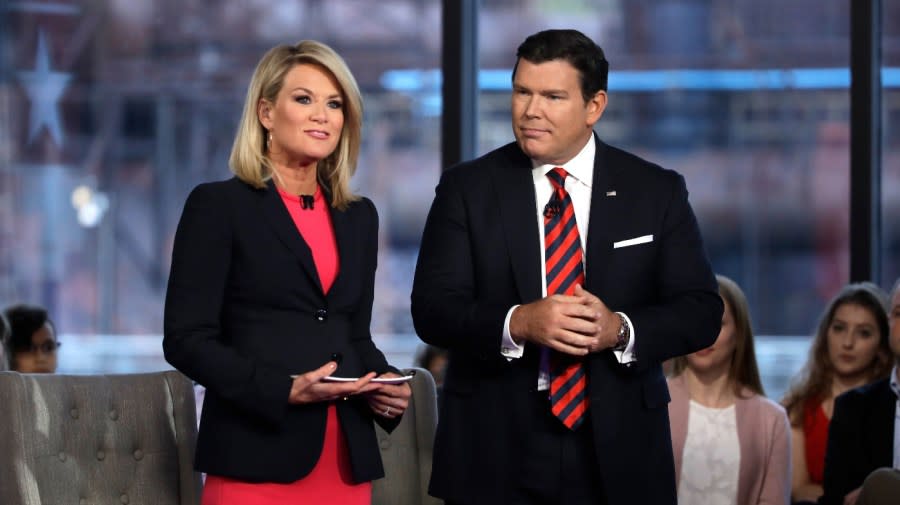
<point x="732" y="444"/>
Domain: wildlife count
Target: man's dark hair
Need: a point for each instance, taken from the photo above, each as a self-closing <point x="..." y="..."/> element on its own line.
<point x="23" y="321"/>
<point x="572" y="46"/>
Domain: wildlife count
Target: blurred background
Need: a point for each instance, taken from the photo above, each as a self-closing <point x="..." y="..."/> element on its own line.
<point x="112" y="110"/>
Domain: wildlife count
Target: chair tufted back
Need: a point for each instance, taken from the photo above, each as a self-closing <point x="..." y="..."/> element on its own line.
<point x="406" y="452"/>
<point x="97" y="439"/>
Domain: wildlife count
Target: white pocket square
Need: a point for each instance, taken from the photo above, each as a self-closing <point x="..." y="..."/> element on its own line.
<point x="633" y="241"/>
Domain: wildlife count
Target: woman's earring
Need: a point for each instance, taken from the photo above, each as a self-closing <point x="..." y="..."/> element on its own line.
<point x="269" y="141"/>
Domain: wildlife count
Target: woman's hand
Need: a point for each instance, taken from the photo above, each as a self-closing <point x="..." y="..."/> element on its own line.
<point x="389" y="400"/>
<point x="310" y="388"/>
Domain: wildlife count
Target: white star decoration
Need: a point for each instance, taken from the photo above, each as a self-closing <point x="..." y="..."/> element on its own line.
<point x="44" y="88"/>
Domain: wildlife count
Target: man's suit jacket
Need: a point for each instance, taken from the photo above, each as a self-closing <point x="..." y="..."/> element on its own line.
<point x="480" y="255"/>
<point x="245" y="309"/>
<point x="860" y="438"/>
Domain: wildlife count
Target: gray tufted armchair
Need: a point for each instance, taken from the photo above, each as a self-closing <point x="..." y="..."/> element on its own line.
<point x="97" y="439"/>
<point x="406" y="452"/>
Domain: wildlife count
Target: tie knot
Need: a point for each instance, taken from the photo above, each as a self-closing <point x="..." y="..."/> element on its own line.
<point x="558" y="177"/>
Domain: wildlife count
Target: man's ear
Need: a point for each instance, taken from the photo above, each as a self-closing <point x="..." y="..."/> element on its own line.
<point x="595" y="107"/>
<point x="264" y="113"/>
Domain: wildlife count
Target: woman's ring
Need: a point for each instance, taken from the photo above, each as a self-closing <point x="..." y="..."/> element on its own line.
<point x="387" y="411"/>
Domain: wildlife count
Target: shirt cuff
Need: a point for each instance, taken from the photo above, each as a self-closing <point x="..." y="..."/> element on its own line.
<point x="508" y="347"/>
<point x="626" y="355"/>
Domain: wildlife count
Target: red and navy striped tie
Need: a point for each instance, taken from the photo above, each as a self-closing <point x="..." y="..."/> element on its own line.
<point x="562" y="247"/>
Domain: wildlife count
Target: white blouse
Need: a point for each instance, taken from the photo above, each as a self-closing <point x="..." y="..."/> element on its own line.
<point x="711" y="459"/>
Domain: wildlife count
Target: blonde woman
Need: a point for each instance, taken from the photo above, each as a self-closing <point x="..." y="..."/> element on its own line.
<point x="271" y="292"/>
<point x="850" y="349"/>
<point x="731" y="444"/>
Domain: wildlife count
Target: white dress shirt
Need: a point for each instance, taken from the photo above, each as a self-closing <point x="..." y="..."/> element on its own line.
<point x="578" y="185"/>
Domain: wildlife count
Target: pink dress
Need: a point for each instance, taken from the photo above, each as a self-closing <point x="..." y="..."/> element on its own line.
<point x="330" y="481"/>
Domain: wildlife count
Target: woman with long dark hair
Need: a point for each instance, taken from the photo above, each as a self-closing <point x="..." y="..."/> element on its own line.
<point x="850" y="349"/>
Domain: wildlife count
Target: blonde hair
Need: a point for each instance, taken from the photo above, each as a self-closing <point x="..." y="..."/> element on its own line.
<point x="813" y="383"/>
<point x="743" y="372"/>
<point x="249" y="159"/>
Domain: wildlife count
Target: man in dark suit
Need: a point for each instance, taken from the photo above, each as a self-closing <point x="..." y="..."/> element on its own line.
<point x="560" y="272"/>
<point x="862" y="436"/>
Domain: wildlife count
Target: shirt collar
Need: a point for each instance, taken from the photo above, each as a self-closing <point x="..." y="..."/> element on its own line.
<point x="895" y="385"/>
<point x="581" y="167"/>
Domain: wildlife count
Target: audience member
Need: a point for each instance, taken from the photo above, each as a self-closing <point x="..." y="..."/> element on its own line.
<point x="433" y="359"/>
<point x="865" y="423"/>
<point x="731" y="444"/>
<point x="32" y="341"/>
<point x="850" y="349"/>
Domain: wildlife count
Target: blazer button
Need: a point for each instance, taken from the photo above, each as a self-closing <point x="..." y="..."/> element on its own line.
<point x="321" y="315"/>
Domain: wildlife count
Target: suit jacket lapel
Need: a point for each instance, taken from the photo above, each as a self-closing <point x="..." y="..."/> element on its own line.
<point x="514" y="190"/>
<point x="603" y="210"/>
<point x="882" y="419"/>
<point x="345" y="240"/>
<point x="278" y="218"/>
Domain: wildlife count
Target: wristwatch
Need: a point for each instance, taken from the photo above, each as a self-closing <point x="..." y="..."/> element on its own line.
<point x="624" y="334"/>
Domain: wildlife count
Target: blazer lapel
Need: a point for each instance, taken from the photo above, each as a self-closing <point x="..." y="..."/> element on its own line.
<point x="345" y="240"/>
<point x="514" y="190"/>
<point x="882" y="424"/>
<point x="603" y="211"/>
<point x="278" y="218"/>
